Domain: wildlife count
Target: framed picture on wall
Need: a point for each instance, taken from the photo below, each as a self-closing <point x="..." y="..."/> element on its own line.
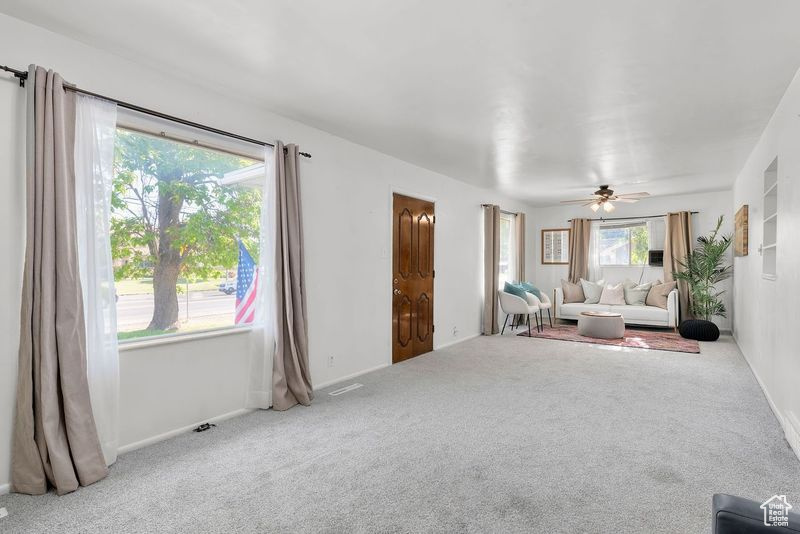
<point x="555" y="246"/>
<point x="741" y="224"/>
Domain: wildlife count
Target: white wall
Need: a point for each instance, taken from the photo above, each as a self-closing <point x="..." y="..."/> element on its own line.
<point x="709" y="205"/>
<point x="346" y="200"/>
<point x="766" y="310"/>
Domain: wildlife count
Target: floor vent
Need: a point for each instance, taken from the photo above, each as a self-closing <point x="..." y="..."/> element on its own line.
<point x="345" y="389"/>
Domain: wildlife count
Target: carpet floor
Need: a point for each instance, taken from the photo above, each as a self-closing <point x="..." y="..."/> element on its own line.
<point x="500" y="434"/>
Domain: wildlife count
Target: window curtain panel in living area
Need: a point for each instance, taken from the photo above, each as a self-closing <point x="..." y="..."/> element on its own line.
<point x="55" y="438"/>
<point x="491" y="268"/>
<point x="95" y="131"/>
<point x="593" y="268"/>
<point x="262" y="336"/>
<point x="519" y="252"/>
<point x="677" y="244"/>
<point x="291" y="377"/>
<point x="579" y="249"/>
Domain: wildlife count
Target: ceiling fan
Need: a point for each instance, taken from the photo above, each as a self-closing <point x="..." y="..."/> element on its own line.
<point x="603" y="197"/>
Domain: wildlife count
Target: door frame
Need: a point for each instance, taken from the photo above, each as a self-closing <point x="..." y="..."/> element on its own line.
<point x="389" y="258"/>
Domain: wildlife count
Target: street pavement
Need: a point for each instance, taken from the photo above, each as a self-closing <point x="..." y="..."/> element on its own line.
<point x="135" y="311"/>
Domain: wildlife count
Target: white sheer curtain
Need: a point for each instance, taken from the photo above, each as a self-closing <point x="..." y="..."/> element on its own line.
<point x="595" y="271"/>
<point x="95" y="129"/>
<point x="262" y="338"/>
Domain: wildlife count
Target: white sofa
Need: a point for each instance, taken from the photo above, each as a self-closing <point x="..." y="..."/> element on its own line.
<point x="634" y="315"/>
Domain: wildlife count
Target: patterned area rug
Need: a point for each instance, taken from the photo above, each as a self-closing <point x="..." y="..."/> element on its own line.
<point x="634" y="337"/>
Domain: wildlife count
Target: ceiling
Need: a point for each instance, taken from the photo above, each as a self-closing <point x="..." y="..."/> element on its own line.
<point x="544" y="100"/>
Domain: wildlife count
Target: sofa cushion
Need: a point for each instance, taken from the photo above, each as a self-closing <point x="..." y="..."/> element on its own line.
<point x="635" y="294"/>
<point x="574" y="309"/>
<point x="633" y="314"/>
<point x="572" y="292"/>
<point x="657" y="296"/>
<point x="592" y="290"/>
<point x="613" y="295"/>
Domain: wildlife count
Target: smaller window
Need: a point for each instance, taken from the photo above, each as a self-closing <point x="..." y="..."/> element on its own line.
<point x="507" y="267"/>
<point x="623" y="245"/>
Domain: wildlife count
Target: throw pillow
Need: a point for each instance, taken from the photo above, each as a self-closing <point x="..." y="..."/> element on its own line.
<point x="613" y="295"/>
<point x="636" y="295"/>
<point x="572" y="292"/>
<point x="658" y="294"/>
<point x="592" y="290"/>
<point x="514" y="290"/>
<point x="530" y="288"/>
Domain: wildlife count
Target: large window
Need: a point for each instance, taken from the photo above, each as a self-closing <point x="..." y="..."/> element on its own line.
<point x="623" y="244"/>
<point x="508" y="270"/>
<point x="179" y="236"/>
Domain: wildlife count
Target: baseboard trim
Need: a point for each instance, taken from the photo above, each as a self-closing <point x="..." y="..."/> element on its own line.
<point x="182" y="430"/>
<point x="792" y="431"/>
<point x="772" y="405"/>
<point x="456" y="342"/>
<point x="350" y="376"/>
<point x="5" y="488"/>
<point x="789" y="424"/>
<point x="345" y="378"/>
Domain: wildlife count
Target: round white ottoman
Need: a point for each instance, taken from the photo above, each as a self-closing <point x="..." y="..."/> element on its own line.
<point x="603" y="325"/>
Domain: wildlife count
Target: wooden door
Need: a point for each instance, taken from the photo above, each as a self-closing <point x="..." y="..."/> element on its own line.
<point x="412" y="278"/>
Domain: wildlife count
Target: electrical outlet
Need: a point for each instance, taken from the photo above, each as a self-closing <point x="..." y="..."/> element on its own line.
<point x="330" y="360"/>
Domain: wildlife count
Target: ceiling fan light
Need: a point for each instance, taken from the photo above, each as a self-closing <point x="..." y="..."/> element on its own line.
<point x="608" y="207"/>
<point x="595" y="206"/>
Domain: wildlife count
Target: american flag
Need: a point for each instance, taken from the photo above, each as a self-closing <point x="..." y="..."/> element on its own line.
<point x="246" y="285"/>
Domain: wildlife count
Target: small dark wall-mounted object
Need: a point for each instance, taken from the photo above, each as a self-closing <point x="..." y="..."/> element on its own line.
<point x="655" y="258"/>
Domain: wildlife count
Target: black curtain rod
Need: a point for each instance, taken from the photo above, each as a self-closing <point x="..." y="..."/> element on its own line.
<point x="23" y="75"/>
<point x="631" y="218"/>
<point x="501" y="209"/>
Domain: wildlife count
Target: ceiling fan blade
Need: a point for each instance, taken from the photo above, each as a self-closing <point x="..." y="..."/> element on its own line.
<point x="590" y="203"/>
<point x="634" y="195"/>
<point x="579" y="201"/>
<point x="628" y="200"/>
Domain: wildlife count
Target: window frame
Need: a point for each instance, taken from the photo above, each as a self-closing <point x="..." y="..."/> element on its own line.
<point x="512" y="262"/>
<point x="628" y="227"/>
<point x="165" y="129"/>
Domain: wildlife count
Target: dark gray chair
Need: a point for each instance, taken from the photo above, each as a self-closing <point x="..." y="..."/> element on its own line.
<point x="736" y="515"/>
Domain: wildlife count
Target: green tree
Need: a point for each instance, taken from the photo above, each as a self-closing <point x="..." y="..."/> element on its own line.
<point x="639" y="245"/>
<point x="172" y="218"/>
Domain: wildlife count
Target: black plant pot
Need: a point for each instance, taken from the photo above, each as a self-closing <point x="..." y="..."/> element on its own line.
<point x="699" y="329"/>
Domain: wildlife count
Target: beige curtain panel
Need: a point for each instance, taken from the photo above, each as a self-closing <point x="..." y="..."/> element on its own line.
<point x="677" y="245"/>
<point x="519" y="233"/>
<point x="291" y="378"/>
<point x="55" y="439"/>
<point x="579" y="250"/>
<point x="491" y="268"/>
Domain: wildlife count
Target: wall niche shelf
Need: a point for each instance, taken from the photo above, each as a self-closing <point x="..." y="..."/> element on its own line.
<point x="769" y="238"/>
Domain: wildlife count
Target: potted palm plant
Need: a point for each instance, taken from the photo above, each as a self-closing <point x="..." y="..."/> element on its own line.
<point x="703" y="269"/>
